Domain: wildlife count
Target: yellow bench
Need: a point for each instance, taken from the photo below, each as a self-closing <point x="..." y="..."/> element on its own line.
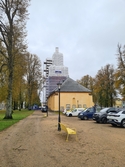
<point x="69" y="131"/>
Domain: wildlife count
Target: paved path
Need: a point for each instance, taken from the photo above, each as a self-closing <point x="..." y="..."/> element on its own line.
<point x="21" y="144"/>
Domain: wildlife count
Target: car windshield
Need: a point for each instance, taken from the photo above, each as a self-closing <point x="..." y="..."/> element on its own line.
<point x="85" y="109"/>
<point x="74" y="110"/>
<point x="104" y="110"/>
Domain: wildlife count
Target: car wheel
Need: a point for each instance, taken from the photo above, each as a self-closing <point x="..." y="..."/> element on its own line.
<point x="82" y="118"/>
<point x="97" y="121"/>
<point x="85" y="118"/>
<point x="70" y="115"/>
<point x="104" y="120"/>
<point x="123" y="123"/>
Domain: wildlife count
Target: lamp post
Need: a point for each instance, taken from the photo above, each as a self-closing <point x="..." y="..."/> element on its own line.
<point x="59" y="119"/>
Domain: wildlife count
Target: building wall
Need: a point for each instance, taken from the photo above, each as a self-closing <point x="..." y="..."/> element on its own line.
<point x="69" y="101"/>
<point x="55" y="72"/>
<point x="118" y="103"/>
<point x="57" y="58"/>
<point x="58" y="71"/>
<point x="2" y="106"/>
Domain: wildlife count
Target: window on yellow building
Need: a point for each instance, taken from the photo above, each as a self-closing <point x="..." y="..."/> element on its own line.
<point x="79" y="106"/>
<point x="68" y="106"/>
<point x="62" y="108"/>
<point x="73" y="106"/>
<point x="84" y="106"/>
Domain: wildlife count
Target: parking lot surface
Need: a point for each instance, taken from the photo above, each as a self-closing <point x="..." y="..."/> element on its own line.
<point x="36" y="142"/>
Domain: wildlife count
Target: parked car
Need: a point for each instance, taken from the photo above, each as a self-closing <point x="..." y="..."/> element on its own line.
<point x="117" y="119"/>
<point x="65" y="111"/>
<point x="74" y="112"/>
<point x="86" y="114"/>
<point x="44" y="109"/>
<point x="101" y="117"/>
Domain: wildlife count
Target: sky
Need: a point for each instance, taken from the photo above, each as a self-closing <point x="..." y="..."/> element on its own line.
<point x="87" y="32"/>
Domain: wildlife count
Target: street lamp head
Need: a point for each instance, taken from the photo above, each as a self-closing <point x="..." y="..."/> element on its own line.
<point x="59" y="84"/>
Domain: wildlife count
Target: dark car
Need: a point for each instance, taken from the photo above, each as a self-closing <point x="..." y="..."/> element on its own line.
<point x="44" y="109"/>
<point x="87" y="113"/>
<point x="101" y="117"/>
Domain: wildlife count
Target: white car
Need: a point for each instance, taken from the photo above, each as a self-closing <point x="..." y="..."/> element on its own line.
<point x="74" y="112"/>
<point x="65" y="111"/>
<point x="117" y="119"/>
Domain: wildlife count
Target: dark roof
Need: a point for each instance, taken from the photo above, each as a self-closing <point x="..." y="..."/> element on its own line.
<point x="69" y="85"/>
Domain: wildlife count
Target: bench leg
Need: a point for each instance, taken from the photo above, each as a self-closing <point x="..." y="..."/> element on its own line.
<point x="67" y="137"/>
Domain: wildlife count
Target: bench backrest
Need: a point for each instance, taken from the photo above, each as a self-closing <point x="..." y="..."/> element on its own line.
<point x="63" y="127"/>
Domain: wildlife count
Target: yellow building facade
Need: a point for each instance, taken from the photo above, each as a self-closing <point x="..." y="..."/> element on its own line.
<point x="118" y="103"/>
<point x="72" y="95"/>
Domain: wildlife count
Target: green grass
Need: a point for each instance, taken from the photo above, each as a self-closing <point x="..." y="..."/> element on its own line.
<point x="17" y="116"/>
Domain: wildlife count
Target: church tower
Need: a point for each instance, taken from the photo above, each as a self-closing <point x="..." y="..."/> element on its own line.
<point x="57" y="72"/>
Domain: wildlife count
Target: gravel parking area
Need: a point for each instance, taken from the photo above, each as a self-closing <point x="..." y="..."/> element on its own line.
<point x="36" y="142"/>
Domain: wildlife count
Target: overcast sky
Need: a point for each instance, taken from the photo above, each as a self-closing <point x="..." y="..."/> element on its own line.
<point x="87" y="32"/>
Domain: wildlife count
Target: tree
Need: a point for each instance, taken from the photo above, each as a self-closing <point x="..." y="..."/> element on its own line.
<point x="85" y="81"/>
<point x="33" y="79"/>
<point x="88" y="82"/>
<point x="120" y="72"/>
<point x="104" y="86"/>
<point x="19" y="84"/>
<point x="3" y="76"/>
<point x="13" y="15"/>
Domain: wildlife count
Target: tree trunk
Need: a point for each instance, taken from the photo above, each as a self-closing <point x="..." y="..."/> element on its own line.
<point x="9" y="110"/>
